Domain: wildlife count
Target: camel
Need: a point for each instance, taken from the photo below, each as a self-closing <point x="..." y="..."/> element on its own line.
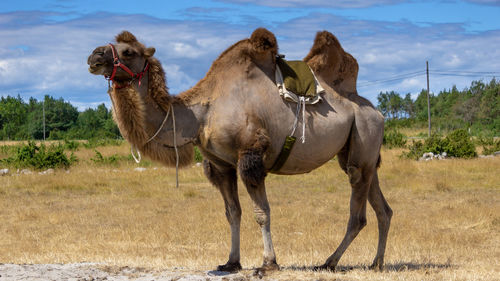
<point x="238" y="121"/>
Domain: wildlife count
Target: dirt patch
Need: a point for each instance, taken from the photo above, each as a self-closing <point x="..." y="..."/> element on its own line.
<point x="97" y="272"/>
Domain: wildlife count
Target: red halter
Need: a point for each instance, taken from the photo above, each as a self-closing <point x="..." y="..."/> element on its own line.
<point x="117" y="63"/>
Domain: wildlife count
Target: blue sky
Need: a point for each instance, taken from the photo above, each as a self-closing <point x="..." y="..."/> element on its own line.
<point x="44" y="44"/>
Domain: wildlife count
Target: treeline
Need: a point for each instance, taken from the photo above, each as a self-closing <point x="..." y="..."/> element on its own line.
<point x="20" y="120"/>
<point x="476" y="108"/>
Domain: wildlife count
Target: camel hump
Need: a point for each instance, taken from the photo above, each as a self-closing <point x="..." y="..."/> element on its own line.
<point x="264" y="40"/>
<point x="125" y="37"/>
<point x="324" y="47"/>
<point x="328" y="60"/>
<point x="324" y="39"/>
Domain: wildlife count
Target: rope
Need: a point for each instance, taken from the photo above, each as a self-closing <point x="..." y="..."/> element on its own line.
<point x="138" y="158"/>
<point x="161" y="126"/>
<point x="296" y="122"/>
<point x="303" y="101"/>
<point x="176" y="151"/>
<point x="301" y="107"/>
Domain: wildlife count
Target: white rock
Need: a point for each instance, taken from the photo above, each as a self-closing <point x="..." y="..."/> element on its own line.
<point x="428" y="155"/>
<point x="486" y="156"/>
<point x="47" y="172"/>
<point x="25" y="172"/>
<point x="140" y="169"/>
<point x="4" y="172"/>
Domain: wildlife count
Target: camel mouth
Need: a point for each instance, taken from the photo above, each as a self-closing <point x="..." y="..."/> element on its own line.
<point x="97" y="68"/>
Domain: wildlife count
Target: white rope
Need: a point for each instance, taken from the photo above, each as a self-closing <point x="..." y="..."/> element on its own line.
<point x="296" y="122"/>
<point x="176" y="151"/>
<point x="138" y="158"/>
<point x="161" y="126"/>
<point x="303" y="101"/>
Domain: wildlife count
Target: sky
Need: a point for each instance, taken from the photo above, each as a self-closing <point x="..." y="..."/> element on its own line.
<point x="44" y="44"/>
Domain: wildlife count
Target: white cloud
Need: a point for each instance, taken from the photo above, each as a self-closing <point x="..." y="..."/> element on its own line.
<point x="39" y="57"/>
<point x="320" y="3"/>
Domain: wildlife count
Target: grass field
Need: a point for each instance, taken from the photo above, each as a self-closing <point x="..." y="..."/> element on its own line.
<point x="446" y="222"/>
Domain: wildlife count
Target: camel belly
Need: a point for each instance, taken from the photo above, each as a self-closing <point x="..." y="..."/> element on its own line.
<point x="327" y="128"/>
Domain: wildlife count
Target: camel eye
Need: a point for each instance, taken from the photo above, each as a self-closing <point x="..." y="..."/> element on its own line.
<point x="128" y="53"/>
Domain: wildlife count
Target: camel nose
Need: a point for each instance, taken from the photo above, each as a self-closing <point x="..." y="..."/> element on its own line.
<point x="95" y="64"/>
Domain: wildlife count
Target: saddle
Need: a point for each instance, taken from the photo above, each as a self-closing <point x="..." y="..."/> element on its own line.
<point x="297" y="83"/>
<point x="295" y="79"/>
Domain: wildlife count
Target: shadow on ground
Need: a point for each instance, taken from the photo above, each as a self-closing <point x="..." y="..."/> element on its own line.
<point x="392" y="267"/>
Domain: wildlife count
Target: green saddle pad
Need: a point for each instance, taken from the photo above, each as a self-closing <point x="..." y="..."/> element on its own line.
<point x="297" y="77"/>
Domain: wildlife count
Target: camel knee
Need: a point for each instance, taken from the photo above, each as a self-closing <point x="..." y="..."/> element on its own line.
<point x="389" y="213"/>
<point x="262" y="217"/>
<point x="357" y="223"/>
<point x="354" y="174"/>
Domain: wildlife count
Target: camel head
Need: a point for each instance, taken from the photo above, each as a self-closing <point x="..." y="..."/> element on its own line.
<point x="128" y="57"/>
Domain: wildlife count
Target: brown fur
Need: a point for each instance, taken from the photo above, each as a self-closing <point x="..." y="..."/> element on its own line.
<point x="250" y="164"/>
<point x="338" y="68"/>
<point x="260" y="46"/>
<point x="157" y="88"/>
<point x="129" y="111"/>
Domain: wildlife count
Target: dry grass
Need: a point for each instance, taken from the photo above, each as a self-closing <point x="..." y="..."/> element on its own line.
<point x="446" y="220"/>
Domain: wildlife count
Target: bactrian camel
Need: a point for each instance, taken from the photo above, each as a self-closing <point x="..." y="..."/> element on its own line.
<point x="237" y="119"/>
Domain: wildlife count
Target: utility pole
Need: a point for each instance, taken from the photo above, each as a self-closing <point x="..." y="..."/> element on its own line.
<point x="43" y="113"/>
<point x="428" y="100"/>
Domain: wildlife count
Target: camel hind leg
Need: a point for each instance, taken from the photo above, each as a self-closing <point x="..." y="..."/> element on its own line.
<point x="360" y="159"/>
<point x="384" y="214"/>
<point x="360" y="181"/>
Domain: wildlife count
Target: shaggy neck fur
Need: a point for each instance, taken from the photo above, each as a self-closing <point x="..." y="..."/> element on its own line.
<point x="130" y="115"/>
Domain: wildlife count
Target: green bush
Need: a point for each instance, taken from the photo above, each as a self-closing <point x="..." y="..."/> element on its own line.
<point x="489" y="144"/>
<point x="457" y="144"/>
<point x="71" y="145"/>
<point x="393" y="138"/>
<point x="198" y="157"/>
<point x="96" y="142"/>
<point x="102" y="160"/>
<point x="40" y="157"/>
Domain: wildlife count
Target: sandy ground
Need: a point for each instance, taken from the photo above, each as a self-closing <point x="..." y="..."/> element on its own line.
<point x="97" y="272"/>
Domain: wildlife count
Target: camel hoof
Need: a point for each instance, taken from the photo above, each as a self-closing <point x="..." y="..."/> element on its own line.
<point x="377" y="266"/>
<point x="261" y="271"/>
<point x="229" y="267"/>
<point x="324" y="267"/>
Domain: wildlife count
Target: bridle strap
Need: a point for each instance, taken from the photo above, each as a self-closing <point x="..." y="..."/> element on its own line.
<point x="118" y="64"/>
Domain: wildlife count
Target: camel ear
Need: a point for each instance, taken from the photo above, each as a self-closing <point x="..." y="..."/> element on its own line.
<point x="264" y="40"/>
<point x="125" y="37"/>
<point x="149" y="52"/>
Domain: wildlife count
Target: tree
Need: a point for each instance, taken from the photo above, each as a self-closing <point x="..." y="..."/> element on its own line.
<point x="13" y="115"/>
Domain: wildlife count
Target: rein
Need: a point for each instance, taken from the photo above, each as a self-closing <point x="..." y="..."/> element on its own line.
<point x="118" y="64"/>
<point x="138" y="157"/>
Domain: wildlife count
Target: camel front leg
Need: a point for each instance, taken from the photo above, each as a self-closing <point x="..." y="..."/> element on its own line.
<point x="262" y="213"/>
<point x="253" y="173"/>
<point x="224" y="178"/>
